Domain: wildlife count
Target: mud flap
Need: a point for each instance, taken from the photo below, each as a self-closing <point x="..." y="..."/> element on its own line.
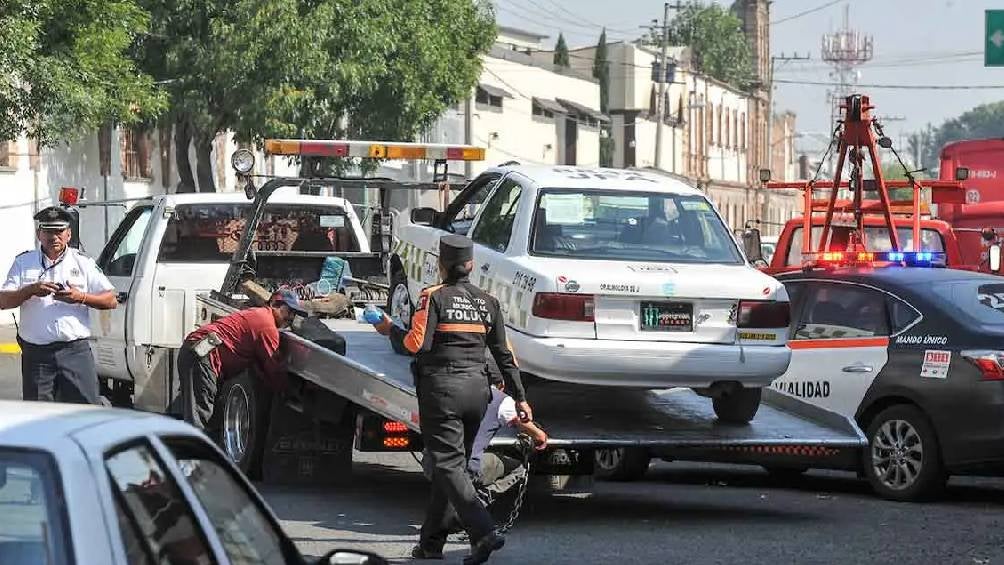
<point x="304" y="450"/>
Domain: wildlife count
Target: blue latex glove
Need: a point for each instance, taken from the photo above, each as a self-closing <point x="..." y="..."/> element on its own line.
<point x="373" y="315"/>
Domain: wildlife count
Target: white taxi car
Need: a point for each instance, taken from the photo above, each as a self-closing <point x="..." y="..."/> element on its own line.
<point x="609" y="277"/>
<point x="82" y="484"/>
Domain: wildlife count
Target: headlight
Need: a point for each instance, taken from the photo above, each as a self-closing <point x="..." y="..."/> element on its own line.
<point x="242" y="161"/>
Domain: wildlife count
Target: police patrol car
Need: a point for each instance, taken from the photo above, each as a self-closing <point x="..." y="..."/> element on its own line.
<point x="915" y="356"/>
<point x="609" y="277"/>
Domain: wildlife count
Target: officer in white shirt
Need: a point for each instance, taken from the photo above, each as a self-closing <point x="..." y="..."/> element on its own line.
<point x="55" y="286"/>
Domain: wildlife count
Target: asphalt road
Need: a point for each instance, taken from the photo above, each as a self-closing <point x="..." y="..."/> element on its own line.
<point x="680" y="513"/>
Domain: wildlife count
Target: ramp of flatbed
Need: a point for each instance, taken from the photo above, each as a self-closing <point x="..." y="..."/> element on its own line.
<point x="606" y="416"/>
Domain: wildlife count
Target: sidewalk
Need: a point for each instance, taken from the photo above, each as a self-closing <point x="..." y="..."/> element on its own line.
<point x="8" y="341"/>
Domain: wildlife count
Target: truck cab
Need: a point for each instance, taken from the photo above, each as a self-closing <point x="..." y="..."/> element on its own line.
<point x="169" y="249"/>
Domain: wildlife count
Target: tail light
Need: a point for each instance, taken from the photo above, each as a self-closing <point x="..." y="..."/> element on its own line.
<point x="394" y="427"/>
<point x="559" y="306"/>
<point x="762" y="314"/>
<point x="990" y="363"/>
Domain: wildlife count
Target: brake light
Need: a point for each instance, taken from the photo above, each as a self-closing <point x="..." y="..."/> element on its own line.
<point x="560" y="306"/>
<point x="990" y="363"/>
<point x="763" y="314"/>
<point x="69" y="195"/>
<point x="394" y="427"/>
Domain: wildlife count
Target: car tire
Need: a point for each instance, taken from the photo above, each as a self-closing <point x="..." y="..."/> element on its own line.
<point x="738" y="406"/>
<point x="399" y="305"/>
<point x="621" y="463"/>
<point x="240" y="422"/>
<point x="903" y="458"/>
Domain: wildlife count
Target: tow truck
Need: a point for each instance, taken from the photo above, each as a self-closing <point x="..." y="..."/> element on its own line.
<point x="349" y="389"/>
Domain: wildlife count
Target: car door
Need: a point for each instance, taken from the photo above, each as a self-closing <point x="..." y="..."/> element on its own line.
<point x="839" y="343"/>
<point x="115" y="348"/>
<point x="492" y="233"/>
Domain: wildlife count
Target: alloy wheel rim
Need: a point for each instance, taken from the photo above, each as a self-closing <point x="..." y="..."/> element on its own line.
<point x="897" y="454"/>
<point x="237" y="423"/>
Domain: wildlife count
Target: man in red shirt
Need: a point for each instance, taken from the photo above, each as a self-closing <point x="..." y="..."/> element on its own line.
<point x="230" y="345"/>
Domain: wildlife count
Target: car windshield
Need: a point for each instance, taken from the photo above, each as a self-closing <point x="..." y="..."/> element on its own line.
<point x="31" y="523"/>
<point x="630" y="226"/>
<point x="210" y="232"/>
<point x="876" y="239"/>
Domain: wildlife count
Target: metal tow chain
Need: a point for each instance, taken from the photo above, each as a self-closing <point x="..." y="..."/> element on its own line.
<point x="488" y="497"/>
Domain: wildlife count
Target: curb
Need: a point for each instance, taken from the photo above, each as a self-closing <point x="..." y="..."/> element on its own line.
<point x="10" y="348"/>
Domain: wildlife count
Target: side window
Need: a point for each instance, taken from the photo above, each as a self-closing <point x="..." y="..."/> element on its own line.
<point x="494" y="229"/>
<point x="461" y="212"/>
<point x="247" y="534"/>
<point x="155" y="513"/>
<point x="835" y="311"/>
<point x="118" y="259"/>
<point x="901" y="315"/>
<point x="796" y="294"/>
<point x="33" y="526"/>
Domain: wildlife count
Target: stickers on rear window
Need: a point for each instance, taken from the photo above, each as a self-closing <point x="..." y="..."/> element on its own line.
<point x="936" y="364"/>
<point x="992" y="296"/>
<point x="565" y="209"/>
<point x="332" y="221"/>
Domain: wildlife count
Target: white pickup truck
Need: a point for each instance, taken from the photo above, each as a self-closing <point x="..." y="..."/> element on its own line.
<point x="169" y="249"/>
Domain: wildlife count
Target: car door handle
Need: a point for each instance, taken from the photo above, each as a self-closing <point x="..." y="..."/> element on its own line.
<point x="857" y="369"/>
<point x="121" y="297"/>
<point x="485" y="267"/>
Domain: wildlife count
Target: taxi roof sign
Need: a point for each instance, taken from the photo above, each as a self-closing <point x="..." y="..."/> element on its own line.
<point x="373" y="149"/>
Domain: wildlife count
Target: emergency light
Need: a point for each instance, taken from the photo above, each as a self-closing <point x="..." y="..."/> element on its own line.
<point x="872" y="258"/>
<point x="69" y="196"/>
<point x="373" y="150"/>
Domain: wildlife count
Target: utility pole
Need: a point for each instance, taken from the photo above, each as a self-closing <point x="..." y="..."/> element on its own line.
<point x="770" y="121"/>
<point x="660" y="105"/>
<point x="468" y="134"/>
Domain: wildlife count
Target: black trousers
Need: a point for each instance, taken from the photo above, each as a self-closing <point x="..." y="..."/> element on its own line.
<point x="451" y="403"/>
<point x="62" y="372"/>
<point x="198" y="387"/>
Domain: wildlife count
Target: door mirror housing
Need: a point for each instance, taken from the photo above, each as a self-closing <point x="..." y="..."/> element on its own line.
<point x="352" y="557"/>
<point x="423" y="216"/>
<point x="751" y="244"/>
<point x="995" y="258"/>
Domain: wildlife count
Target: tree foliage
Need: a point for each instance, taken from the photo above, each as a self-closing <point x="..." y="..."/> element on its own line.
<point x="66" y="68"/>
<point x="376" y="69"/>
<point x="984" y="121"/>
<point x="719" y="47"/>
<point x="561" y="58"/>
<point x="601" y="72"/>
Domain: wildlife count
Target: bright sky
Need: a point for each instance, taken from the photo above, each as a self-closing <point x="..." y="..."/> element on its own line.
<point x="918" y="42"/>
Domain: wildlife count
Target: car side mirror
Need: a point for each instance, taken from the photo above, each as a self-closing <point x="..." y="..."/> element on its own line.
<point x="752" y="245"/>
<point x="352" y="557"/>
<point x="423" y="216"/>
<point x="961" y="173"/>
<point x="995" y="258"/>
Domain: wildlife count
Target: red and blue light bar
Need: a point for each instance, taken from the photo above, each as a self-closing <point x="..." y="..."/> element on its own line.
<point x="884" y="258"/>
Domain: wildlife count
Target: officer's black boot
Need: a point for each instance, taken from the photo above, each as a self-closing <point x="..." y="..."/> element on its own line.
<point x="419" y="552"/>
<point x="481" y="550"/>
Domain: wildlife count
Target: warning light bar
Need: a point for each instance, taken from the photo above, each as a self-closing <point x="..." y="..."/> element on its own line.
<point x="373" y="150"/>
<point x="871" y="258"/>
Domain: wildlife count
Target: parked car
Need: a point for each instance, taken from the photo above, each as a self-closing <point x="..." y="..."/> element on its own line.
<point x="89" y="485"/>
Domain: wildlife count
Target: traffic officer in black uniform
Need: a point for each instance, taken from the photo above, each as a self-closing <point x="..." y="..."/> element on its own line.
<point x="56" y="286"/>
<point x="450" y="330"/>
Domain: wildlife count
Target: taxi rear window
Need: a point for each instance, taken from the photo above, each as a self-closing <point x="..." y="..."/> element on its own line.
<point x="977" y="299"/>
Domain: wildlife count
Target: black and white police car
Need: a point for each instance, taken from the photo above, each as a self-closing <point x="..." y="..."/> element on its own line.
<point x="915" y="356"/>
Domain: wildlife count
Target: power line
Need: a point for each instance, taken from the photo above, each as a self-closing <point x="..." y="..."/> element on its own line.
<point x="806" y="12"/>
<point x="536" y="13"/>
<point x="900" y="86"/>
<point x="580" y="18"/>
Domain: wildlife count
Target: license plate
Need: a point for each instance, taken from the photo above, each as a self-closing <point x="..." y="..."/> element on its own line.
<point x="667" y="317"/>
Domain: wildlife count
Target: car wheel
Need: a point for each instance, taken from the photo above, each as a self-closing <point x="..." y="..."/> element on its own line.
<point x="621" y="463"/>
<point x="738" y="406"/>
<point x="240" y="422"/>
<point x="903" y="458"/>
<point x="399" y="305"/>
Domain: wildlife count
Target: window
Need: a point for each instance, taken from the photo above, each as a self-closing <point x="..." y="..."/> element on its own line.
<point x="483" y="97"/>
<point x="876" y="239"/>
<point x="8" y="155"/>
<point x="709" y="127"/>
<point x="835" y="311"/>
<point x="247" y="534"/>
<point x="135" y="148"/>
<point x="901" y="315"/>
<point x="728" y="131"/>
<point x="742" y="131"/>
<point x="539" y="110"/>
<point x="211" y="232"/>
<point x="154" y="510"/>
<point x="630" y="226"/>
<point x="718" y="128"/>
<point x="118" y="259"/>
<point x="981" y="303"/>
<point x="494" y="229"/>
<point x="735" y="129"/>
<point x="32" y="520"/>
<point x="466" y="206"/>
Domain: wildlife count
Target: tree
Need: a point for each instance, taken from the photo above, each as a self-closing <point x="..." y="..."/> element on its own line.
<point x="984" y="121"/>
<point x="718" y="45"/>
<point x="311" y="68"/>
<point x="601" y="72"/>
<point x="561" y="58"/>
<point x="66" y="68"/>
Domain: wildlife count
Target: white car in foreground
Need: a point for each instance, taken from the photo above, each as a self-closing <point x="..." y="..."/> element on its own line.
<point x="83" y="484"/>
<point x="610" y="277"/>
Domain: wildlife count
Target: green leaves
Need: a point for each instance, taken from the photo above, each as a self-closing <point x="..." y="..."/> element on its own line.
<point x="719" y="47"/>
<point x="66" y="68"/>
<point x="984" y="121"/>
<point x="561" y="52"/>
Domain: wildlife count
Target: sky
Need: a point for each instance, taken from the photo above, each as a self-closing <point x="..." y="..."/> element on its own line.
<point x="916" y="42"/>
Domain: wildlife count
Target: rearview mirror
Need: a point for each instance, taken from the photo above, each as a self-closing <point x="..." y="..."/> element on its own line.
<point x="751" y="244"/>
<point x="995" y="258"/>
<point x="764" y="175"/>
<point x="352" y="557"/>
<point x="423" y="216"/>
<point x="961" y="173"/>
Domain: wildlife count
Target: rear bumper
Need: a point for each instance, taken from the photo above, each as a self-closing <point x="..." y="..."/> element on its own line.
<point x="648" y="364"/>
